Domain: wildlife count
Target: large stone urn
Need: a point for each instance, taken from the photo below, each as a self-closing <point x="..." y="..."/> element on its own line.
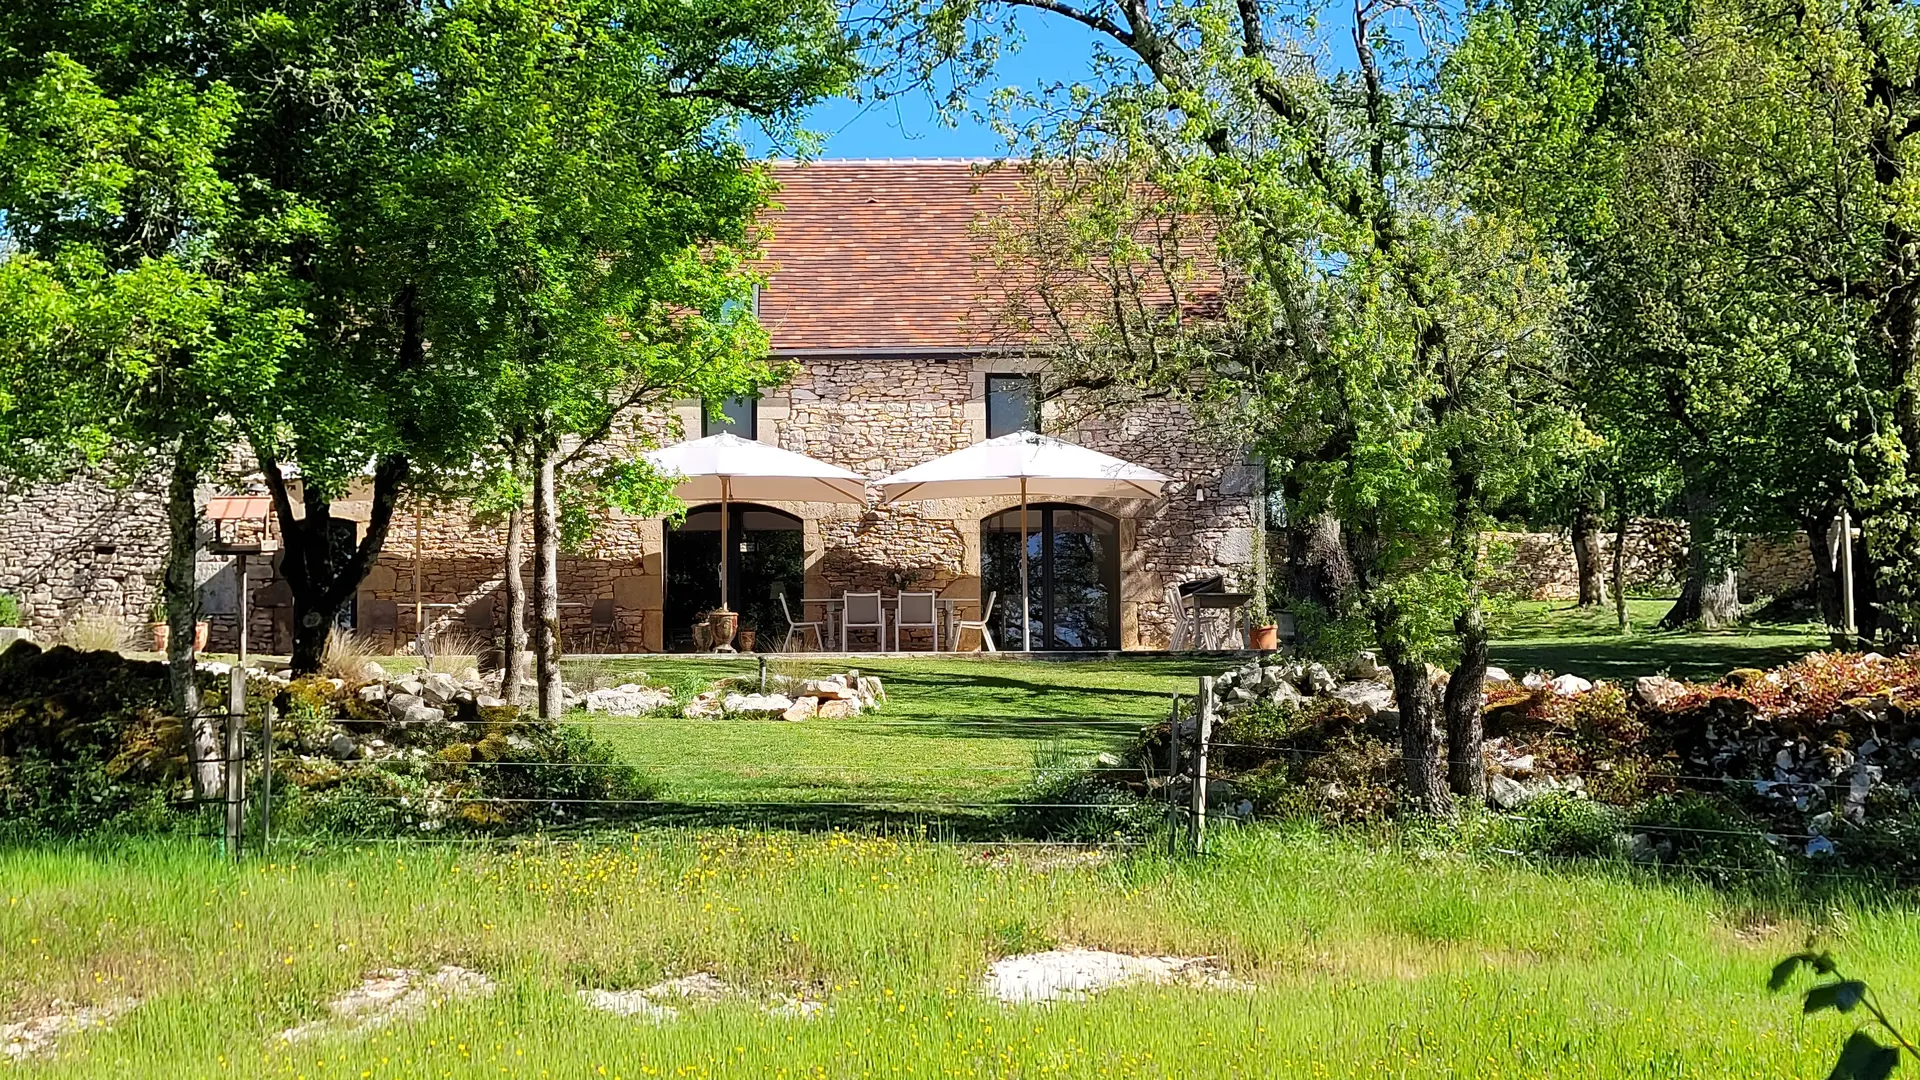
<point x="721" y="626"/>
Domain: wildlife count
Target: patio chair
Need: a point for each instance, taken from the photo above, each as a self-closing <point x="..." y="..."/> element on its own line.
<point x="600" y="624"/>
<point x="978" y="625"/>
<point x="382" y="621"/>
<point x="801" y="628"/>
<point x="916" y="611"/>
<point x="862" y="611"/>
<point x="1183" y="631"/>
<point x="480" y="617"/>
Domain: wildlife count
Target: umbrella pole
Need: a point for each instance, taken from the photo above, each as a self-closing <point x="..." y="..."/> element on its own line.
<point x="725" y="484"/>
<point x="1026" y="624"/>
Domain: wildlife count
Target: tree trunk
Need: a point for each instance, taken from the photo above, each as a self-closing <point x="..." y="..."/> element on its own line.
<point x="1711" y="595"/>
<point x="183" y="615"/>
<point x="1588" y="554"/>
<point x="1620" y="613"/>
<point x="1466" y="692"/>
<point x="1418" y="695"/>
<point x="550" y="695"/>
<point x="513" y="666"/>
<point x="1818" y="526"/>
<point x="321" y="572"/>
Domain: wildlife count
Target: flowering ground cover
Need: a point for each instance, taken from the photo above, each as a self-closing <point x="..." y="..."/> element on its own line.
<point x="1340" y="957"/>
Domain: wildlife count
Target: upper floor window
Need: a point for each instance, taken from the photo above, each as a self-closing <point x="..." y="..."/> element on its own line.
<point x="738" y="416"/>
<point x="1010" y="405"/>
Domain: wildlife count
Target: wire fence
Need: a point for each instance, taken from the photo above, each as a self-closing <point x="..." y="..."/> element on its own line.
<point x="1176" y="800"/>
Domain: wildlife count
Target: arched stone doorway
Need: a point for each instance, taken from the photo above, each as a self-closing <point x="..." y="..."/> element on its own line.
<point x="1073" y="570"/>
<point x="768" y="557"/>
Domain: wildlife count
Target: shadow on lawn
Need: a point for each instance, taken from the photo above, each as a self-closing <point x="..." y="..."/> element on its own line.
<point x="1692" y="657"/>
<point x="965" y="823"/>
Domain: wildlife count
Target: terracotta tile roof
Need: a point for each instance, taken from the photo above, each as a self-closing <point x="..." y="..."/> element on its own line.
<point x="874" y="254"/>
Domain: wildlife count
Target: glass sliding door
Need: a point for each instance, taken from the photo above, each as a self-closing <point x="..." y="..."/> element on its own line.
<point x="1073" y="573"/>
<point x="768" y="558"/>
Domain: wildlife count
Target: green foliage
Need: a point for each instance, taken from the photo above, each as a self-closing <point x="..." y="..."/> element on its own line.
<point x="85" y="744"/>
<point x="1562" y="825"/>
<point x="11" y="613"/>
<point x="1862" y="1057"/>
<point x="1067" y="801"/>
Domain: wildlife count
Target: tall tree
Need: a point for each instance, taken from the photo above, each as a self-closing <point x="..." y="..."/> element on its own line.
<point x="128" y="327"/>
<point x="1385" y="348"/>
<point x="1679" y="158"/>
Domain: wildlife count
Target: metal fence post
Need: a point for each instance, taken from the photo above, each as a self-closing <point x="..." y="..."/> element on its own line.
<point x="1202" y="736"/>
<point x="236" y="765"/>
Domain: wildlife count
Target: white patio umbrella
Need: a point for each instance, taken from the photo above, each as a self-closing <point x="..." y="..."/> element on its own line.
<point x="728" y="467"/>
<point x="1030" y="464"/>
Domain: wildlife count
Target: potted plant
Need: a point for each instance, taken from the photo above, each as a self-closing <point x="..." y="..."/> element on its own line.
<point x="1263" y="634"/>
<point x="722" y="624"/>
<point x="747" y="637"/>
<point x="158" y="624"/>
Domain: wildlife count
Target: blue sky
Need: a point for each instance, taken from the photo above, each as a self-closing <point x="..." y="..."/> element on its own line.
<point x="1056" y="50"/>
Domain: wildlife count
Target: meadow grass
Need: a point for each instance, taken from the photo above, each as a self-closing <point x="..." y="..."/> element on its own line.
<point x="1363" y="958"/>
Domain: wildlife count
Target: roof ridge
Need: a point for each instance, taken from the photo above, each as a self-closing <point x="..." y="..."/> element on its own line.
<point x="891" y="161"/>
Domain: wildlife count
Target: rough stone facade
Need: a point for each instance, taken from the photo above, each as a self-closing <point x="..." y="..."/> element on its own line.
<point x="872" y="414"/>
<point x="83" y="548"/>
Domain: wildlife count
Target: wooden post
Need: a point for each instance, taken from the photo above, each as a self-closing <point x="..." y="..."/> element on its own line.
<point x="1173" y="769"/>
<point x="236" y="766"/>
<point x="1202" y="736"/>
<point x="266" y="777"/>
<point x="1849" y="625"/>
<point x="240" y="567"/>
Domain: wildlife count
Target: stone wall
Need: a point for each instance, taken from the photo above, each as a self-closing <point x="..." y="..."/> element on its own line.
<point x="874" y="415"/>
<point x="1541" y="566"/>
<point x="83" y="547"/>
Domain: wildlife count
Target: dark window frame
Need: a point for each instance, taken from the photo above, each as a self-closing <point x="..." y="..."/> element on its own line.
<point x="995" y="423"/>
<point x="710" y="425"/>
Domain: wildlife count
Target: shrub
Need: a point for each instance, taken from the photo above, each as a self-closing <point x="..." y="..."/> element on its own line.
<point x="11" y="612"/>
<point x="1563" y="825"/>
<point x="85" y="743"/>
<point x="455" y="651"/>
<point x="96" y="631"/>
<point x="1067" y="800"/>
<point x="346" y="655"/>
<point x="1703" y="836"/>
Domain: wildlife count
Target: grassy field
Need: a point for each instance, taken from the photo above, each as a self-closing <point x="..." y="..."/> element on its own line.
<point x="1359" y="961"/>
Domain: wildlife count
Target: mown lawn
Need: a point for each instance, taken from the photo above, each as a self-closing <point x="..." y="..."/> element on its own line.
<point x="953" y="731"/>
<point x="1361" y="960"/>
<point x="1559" y="637"/>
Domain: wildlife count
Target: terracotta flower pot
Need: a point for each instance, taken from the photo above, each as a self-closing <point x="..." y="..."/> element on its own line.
<point x="746" y="640"/>
<point x="721" y="626"/>
<point x="200" y="631"/>
<point x="1266" y="638"/>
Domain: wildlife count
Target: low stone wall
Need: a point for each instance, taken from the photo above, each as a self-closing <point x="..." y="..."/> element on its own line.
<point x="1541" y="566"/>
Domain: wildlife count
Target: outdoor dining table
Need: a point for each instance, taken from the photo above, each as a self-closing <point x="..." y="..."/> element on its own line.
<point x="1233" y="607"/>
<point x="948" y="609"/>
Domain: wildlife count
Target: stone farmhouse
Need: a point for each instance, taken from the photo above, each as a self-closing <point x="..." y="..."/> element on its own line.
<point x="882" y="292"/>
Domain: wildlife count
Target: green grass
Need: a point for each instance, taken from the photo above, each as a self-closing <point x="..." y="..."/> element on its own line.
<point x="1363" y="961"/>
<point x="953" y="731"/>
<point x="1559" y="637"/>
